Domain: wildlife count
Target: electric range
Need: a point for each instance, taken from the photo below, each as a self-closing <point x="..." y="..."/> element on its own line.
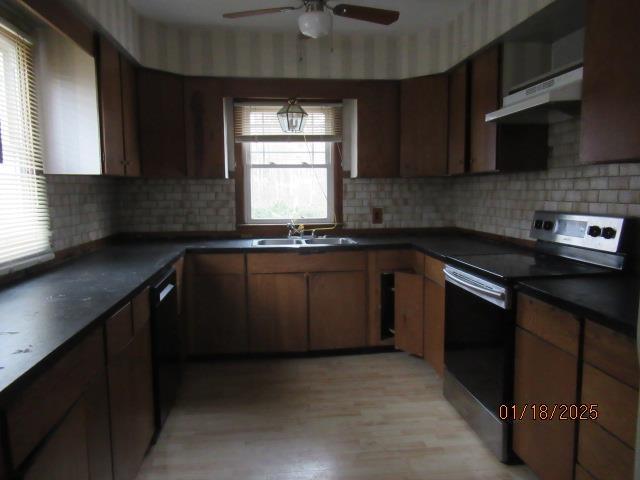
<point x="480" y="308"/>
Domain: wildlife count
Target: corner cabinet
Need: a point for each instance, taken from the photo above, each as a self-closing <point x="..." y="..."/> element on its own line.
<point x="162" y="124"/>
<point x="610" y="93"/>
<point x="423" y="126"/>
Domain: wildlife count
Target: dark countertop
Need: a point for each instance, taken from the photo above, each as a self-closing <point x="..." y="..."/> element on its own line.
<point x="609" y="299"/>
<point x="41" y="316"/>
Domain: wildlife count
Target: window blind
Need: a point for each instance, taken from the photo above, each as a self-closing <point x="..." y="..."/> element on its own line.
<point x="24" y="218"/>
<point x="258" y="122"/>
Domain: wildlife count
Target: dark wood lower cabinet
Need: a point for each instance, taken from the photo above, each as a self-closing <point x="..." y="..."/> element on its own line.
<point x="64" y="454"/>
<point x="409" y="315"/>
<point x="278" y="312"/>
<point x="96" y="398"/>
<point x="217" y="314"/>
<point x="337" y="310"/>
<point x="131" y="404"/>
<point x="544" y="374"/>
<point x="434" y="325"/>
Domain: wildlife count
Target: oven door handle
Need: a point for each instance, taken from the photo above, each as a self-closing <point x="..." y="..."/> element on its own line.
<point x="458" y="281"/>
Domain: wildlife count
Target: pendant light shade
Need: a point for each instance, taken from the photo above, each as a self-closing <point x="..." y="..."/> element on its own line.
<point x="292" y="117"/>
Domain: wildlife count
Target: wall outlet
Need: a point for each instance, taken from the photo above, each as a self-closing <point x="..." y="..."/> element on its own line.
<point x="376" y="215"/>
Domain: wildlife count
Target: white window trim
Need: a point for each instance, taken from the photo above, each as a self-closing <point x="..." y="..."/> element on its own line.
<point x="328" y="165"/>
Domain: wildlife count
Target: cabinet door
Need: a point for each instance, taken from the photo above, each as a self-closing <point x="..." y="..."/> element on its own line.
<point x="610" y="93"/>
<point x="217" y="314"/>
<point x="458" y="120"/>
<point x="409" y="312"/>
<point x="337" y="310"/>
<point x="544" y="374"/>
<point x="162" y="129"/>
<point x="434" y="325"/>
<point x="423" y="126"/>
<point x="204" y="123"/>
<point x="130" y="117"/>
<point x="64" y="456"/>
<point x="485" y="85"/>
<point x="278" y="312"/>
<point x="96" y="399"/>
<point x="131" y="405"/>
<point x="378" y="130"/>
<point x="111" y="109"/>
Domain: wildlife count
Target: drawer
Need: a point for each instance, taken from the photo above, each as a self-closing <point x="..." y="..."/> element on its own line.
<point x="418" y="262"/>
<point x="216" y="263"/>
<point x="552" y="324"/>
<point x="617" y="403"/>
<point x="44" y="402"/>
<point x="119" y="330"/>
<point x="611" y="352"/>
<point x="602" y="454"/>
<point x="141" y="309"/>
<point x="302" y="263"/>
<point x="434" y="269"/>
<point x="392" y="260"/>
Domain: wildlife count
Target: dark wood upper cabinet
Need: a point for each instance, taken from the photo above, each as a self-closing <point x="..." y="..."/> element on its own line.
<point x="610" y="92"/>
<point x="111" y="109"/>
<point x="130" y="117"/>
<point x="423" y="126"/>
<point x="162" y="125"/>
<point x="503" y="147"/>
<point x="378" y="129"/>
<point x="485" y="87"/>
<point x="458" y="120"/>
<point x="204" y="123"/>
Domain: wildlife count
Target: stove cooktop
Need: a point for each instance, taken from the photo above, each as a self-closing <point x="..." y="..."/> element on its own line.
<point x="515" y="266"/>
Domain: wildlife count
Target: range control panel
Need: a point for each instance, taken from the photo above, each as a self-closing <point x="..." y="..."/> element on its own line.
<point x="588" y="231"/>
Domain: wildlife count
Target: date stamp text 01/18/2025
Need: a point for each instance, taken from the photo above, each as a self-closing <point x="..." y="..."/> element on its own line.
<point x="543" y="411"/>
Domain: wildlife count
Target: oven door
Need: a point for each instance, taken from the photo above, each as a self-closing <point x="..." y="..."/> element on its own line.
<point x="479" y="337"/>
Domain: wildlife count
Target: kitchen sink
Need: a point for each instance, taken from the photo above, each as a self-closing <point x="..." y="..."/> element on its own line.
<point x="299" y="242"/>
<point x="278" y="242"/>
<point x="330" y="241"/>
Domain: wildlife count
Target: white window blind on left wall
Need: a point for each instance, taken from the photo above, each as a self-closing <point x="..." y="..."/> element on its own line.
<point x="24" y="216"/>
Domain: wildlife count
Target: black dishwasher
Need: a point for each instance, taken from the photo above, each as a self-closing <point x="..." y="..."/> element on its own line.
<point x="167" y="362"/>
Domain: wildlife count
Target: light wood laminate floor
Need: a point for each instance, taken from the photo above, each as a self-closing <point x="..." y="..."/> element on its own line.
<point x="360" y="417"/>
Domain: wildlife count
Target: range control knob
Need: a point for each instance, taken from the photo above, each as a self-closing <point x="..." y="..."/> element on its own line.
<point x="538" y="224"/>
<point x="594" y="231"/>
<point x="548" y="225"/>
<point x="609" y="233"/>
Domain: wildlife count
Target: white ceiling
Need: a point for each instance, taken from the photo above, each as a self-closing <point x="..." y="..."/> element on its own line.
<point x="415" y="15"/>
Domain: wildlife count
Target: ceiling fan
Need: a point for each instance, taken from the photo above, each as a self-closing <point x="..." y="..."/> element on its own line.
<point x="316" y="20"/>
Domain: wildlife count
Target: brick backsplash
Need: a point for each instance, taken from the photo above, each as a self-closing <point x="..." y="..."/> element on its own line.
<point x="87" y="208"/>
<point x="176" y="205"/>
<point x="406" y="203"/>
<point x="81" y="209"/>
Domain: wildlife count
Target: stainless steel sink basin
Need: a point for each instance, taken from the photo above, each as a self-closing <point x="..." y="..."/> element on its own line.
<point x="330" y="241"/>
<point x="278" y="242"/>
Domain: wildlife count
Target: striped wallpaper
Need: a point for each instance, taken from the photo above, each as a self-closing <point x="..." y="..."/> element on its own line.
<point x="229" y="53"/>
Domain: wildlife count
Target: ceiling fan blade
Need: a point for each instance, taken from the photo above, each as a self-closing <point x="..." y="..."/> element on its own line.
<point x="262" y="11"/>
<point x="366" y="14"/>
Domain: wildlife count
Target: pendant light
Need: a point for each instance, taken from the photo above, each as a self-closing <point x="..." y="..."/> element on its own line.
<point x="292" y="117"/>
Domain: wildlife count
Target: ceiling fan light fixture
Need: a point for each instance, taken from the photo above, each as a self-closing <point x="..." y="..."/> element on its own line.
<point x="292" y="117"/>
<point x="315" y="23"/>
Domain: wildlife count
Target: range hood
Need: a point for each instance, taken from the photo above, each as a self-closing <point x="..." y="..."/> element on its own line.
<point x="554" y="97"/>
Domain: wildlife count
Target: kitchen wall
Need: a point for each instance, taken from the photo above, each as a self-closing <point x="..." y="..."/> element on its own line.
<point x="87" y="208"/>
<point x="504" y="203"/>
<point x="236" y="52"/>
<point x="177" y="205"/>
<point x="81" y="209"/>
